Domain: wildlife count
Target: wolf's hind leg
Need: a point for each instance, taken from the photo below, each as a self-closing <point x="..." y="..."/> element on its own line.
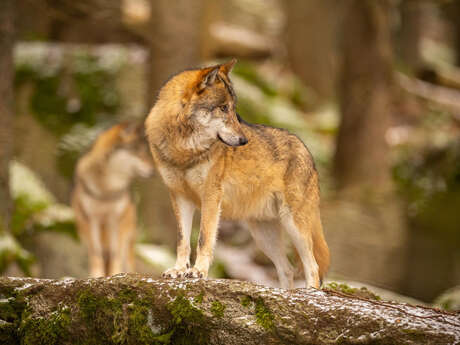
<point x="300" y="230"/>
<point x="183" y="210"/>
<point x="269" y="238"/>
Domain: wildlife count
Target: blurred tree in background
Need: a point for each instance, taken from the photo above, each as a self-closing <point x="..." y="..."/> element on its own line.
<point x="175" y="39"/>
<point x="311" y="31"/>
<point x="412" y="17"/>
<point x="365" y="95"/>
<point x="6" y="107"/>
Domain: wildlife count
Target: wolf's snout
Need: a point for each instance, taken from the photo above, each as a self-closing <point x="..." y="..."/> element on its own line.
<point x="242" y="141"/>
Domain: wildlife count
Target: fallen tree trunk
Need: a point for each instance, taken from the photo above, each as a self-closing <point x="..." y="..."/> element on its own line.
<point x="133" y="309"/>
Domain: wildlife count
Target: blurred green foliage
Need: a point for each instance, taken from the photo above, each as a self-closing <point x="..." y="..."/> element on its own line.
<point x="430" y="182"/>
<point x="248" y="72"/>
<point x="25" y="209"/>
<point x="35" y="210"/>
<point x="66" y="95"/>
<point x="25" y="222"/>
<point x="67" y="92"/>
<point x="26" y="219"/>
<point x="255" y="102"/>
<point x="11" y="251"/>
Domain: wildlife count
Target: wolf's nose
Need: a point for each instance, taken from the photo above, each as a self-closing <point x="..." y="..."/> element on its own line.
<point x="243" y="141"/>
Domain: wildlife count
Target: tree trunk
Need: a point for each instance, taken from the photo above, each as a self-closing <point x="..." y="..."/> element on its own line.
<point x="452" y="10"/>
<point x="412" y="15"/>
<point x="311" y="44"/>
<point x="6" y="106"/>
<point x="365" y="95"/>
<point x="131" y="309"/>
<point x="175" y="39"/>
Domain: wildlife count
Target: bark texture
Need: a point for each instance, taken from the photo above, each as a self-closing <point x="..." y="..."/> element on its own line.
<point x="365" y="95"/>
<point x="133" y="309"/>
<point x="6" y="106"/>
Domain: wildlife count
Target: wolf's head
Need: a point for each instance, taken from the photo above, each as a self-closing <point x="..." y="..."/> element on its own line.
<point x="209" y="106"/>
<point x="130" y="154"/>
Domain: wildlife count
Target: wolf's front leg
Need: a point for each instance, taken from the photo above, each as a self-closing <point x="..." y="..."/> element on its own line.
<point x="210" y="214"/>
<point x="183" y="210"/>
<point x="96" y="258"/>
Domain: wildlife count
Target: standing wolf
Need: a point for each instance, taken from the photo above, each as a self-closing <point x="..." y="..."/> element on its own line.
<point x="210" y="158"/>
<point x="104" y="212"/>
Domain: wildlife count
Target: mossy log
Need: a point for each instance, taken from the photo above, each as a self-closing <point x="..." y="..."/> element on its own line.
<point x="134" y="309"/>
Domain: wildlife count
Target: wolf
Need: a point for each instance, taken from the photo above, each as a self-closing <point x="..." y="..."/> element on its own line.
<point x="104" y="210"/>
<point x="210" y="158"/>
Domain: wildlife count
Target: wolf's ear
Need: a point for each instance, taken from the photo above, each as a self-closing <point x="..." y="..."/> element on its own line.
<point x="208" y="78"/>
<point x="228" y="66"/>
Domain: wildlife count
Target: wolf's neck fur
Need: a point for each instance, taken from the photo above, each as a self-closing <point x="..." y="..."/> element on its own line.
<point x="181" y="145"/>
<point x="98" y="180"/>
<point x="175" y="139"/>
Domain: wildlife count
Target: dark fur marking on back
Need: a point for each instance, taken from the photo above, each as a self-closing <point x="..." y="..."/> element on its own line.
<point x="259" y="126"/>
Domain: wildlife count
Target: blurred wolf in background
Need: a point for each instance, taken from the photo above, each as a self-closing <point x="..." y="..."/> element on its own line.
<point x="210" y="158"/>
<point x="105" y="213"/>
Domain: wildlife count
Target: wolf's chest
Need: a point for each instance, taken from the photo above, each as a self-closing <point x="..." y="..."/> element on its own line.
<point x="196" y="176"/>
<point x="192" y="178"/>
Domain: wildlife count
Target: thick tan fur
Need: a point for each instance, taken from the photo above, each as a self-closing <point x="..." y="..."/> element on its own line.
<point x="104" y="211"/>
<point x="211" y="159"/>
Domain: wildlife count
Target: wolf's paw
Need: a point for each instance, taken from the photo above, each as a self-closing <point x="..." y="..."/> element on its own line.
<point x="195" y="273"/>
<point x="175" y="273"/>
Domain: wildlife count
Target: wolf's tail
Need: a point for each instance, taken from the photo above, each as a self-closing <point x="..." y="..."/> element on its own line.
<point x="320" y="251"/>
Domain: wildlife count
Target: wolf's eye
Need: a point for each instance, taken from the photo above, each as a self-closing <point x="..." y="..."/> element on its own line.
<point x="224" y="108"/>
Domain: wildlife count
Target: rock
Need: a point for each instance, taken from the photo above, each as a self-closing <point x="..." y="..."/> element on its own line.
<point x="135" y="309"/>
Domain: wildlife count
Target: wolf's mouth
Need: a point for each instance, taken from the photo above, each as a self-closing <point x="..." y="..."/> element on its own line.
<point x="220" y="138"/>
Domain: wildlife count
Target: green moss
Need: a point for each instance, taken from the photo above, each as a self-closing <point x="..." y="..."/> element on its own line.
<point x="341" y="287"/>
<point x="96" y="311"/>
<point x="182" y="310"/>
<point x="187" y="324"/>
<point x="8" y="310"/>
<point x="362" y="292"/>
<point x="129" y="314"/>
<point x="92" y="306"/>
<point x="51" y="330"/>
<point x="264" y="316"/>
<point x="199" y="298"/>
<point x="127" y="295"/>
<point x="217" y="309"/>
<point x="11" y="309"/>
<point x="246" y="301"/>
<point x="8" y="334"/>
<point x="143" y="329"/>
